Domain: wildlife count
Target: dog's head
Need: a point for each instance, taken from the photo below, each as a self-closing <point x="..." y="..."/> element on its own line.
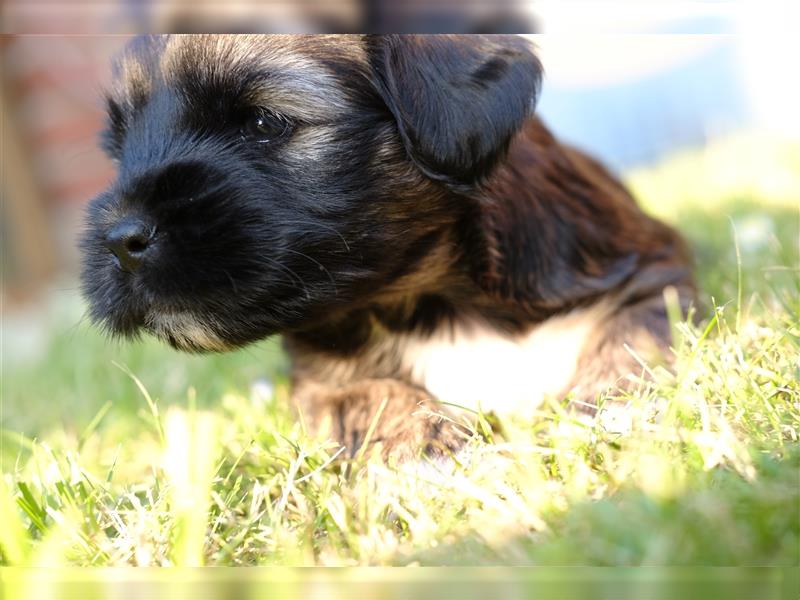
<point x="266" y="181"/>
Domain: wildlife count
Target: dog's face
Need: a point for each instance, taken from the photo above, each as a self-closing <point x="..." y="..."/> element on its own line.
<point x="265" y="181"/>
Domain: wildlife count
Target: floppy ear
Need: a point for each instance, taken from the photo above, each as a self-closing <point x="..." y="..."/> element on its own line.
<point x="457" y="100"/>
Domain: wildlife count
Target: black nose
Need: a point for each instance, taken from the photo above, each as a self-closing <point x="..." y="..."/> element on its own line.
<point x="129" y="240"/>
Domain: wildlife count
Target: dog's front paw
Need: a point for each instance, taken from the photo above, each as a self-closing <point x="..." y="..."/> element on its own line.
<point x="401" y="421"/>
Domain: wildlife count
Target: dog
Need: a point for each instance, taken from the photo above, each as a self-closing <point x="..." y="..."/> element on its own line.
<point x="390" y="205"/>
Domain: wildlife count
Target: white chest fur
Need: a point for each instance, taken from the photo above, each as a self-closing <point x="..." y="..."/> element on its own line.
<point x="477" y="366"/>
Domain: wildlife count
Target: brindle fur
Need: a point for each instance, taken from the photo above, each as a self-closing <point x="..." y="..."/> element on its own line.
<point x="417" y="198"/>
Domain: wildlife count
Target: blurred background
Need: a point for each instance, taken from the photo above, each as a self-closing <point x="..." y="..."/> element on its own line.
<point x="634" y="85"/>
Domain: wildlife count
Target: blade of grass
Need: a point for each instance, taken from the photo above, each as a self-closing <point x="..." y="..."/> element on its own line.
<point x="371" y="429"/>
<point x="150" y="403"/>
<point x="190" y="463"/>
<point x="13" y="538"/>
<point x="90" y="428"/>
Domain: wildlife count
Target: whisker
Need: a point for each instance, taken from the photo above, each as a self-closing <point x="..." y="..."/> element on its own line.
<point x="315" y="261"/>
<point x="317" y="224"/>
<point x="286" y="269"/>
<point x="233" y="283"/>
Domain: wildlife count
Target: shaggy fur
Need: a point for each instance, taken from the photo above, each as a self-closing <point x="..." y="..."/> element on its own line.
<point x="391" y="206"/>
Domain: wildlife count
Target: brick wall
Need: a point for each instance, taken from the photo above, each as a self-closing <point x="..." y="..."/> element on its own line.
<point x="52" y="113"/>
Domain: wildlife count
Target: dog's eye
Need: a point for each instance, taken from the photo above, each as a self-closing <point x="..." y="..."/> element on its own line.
<point x="264" y="127"/>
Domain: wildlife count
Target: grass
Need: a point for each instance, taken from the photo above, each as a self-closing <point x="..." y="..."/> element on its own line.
<point x="136" y="455"/>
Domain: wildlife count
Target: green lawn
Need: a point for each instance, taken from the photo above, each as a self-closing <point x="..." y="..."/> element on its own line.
<point x="133" y="454"/>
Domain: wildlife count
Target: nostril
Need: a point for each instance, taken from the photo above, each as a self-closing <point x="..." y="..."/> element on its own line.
<point x="128" y="240"/>
<point x="136" y="244"/>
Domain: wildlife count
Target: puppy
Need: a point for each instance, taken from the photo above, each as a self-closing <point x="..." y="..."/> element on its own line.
<point x="390" y="206"/>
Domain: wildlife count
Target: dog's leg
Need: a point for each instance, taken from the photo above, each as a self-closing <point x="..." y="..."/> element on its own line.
<point x="612" y="359"/>
<point x="406" y="421"/>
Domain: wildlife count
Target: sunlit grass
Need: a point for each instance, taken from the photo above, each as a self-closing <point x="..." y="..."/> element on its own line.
<point x="136" y="455"/>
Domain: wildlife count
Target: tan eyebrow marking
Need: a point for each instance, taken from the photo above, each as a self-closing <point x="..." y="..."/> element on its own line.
<point x="295" y="83"/>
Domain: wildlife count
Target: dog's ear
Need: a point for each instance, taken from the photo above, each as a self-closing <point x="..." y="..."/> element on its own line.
<point x="457" y="100"/>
